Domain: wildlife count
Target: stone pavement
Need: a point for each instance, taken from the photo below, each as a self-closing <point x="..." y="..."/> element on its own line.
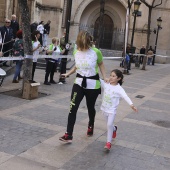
<point x="30" y="129"/>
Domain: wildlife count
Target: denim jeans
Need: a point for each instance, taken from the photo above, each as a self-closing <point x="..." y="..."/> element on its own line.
<point x="17" y="69"/>
<point x="149" y="60"/>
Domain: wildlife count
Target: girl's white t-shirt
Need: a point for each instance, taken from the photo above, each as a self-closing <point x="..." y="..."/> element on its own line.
<point x="111" y="97"/>
<point x="36" y="52"/>
<point x="87" y="65"/>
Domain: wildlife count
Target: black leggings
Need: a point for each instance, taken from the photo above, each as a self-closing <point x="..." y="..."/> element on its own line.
<point x="33" y="69"/>
<point x="50" y="69"/>
<point x="76" y="97"/>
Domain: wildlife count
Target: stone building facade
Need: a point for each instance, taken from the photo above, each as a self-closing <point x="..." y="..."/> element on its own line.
<point x="85" y="15"/>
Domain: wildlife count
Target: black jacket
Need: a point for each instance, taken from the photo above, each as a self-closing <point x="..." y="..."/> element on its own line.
<point x="33" y="27"/>
<point x="9" y="34"/>
<point x="15" y="27"/>
<point x="46" y="29"/>
<point x="142" y="51"/>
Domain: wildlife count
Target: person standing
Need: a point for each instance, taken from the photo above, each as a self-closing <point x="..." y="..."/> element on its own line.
<point x="18" y="50"/>
<point x="150" y="55"/>
<point x="7" y="38"/>
<point x="35" y="46"/>
<point x="34" y="26"/>
<point x="63" y="60"/>
<point x="46" y="33"/>
<point x="87" y="83"/>
<point x="40" y="28"/>
<point x="111" y="96"/>
<point x="142" y="51"/>
<point x="14" y="25"/>
<point x="51" y="64"/>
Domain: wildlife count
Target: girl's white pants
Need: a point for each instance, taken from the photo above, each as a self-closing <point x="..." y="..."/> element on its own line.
<point x="110" y="126"/>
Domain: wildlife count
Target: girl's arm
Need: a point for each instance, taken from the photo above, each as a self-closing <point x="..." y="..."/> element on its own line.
<point x="73" y="70"/>
<point x="127" y="99"/>
<point x="134" y="108"/>
<point x="34" y="49"/>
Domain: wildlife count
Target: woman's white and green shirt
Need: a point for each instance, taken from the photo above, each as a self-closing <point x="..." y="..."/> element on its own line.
<point x="86" y="63"/>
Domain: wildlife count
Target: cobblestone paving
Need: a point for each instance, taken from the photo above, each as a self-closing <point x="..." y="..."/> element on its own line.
<point x="17" y="137"/>
<point x="157" y="105"/>
<point x="9" y="102"/>
<point x="49" y="114"/>
<point x="119" y="158"/>
<point x="30" y="129"/>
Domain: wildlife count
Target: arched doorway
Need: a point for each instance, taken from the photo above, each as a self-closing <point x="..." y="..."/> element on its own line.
<point x="107" y="32"/>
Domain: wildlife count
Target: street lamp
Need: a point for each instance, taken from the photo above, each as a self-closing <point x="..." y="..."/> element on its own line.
<point x="64" y="60"/>
<point x="159" y="22"/>
<point x="137" y="4"/>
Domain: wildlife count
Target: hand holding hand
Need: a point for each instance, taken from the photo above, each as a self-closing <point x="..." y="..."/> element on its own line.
<point x="106" y="80"/>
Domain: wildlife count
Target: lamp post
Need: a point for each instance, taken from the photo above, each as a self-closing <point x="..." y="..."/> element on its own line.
<point x="64" y="60"/>
<point x="136" y="9"/>
<point x="159" y="22"/>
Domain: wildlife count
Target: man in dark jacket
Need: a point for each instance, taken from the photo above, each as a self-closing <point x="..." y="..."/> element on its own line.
<point x="34" y="26"/>
<point x="142" y="51"/>
<point x="14" y="25"/>
<point x="7" y="39"/>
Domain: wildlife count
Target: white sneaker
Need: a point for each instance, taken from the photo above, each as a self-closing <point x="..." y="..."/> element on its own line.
<point x="60" y="83"/>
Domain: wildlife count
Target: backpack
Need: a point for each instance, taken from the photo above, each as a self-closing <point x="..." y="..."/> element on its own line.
<point x="18" y="49"/>
<point x="127" y="58"/>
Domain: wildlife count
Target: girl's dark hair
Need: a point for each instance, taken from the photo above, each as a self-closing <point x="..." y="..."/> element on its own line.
<point x="119" y="74"/>
<point x="34" y="34"/>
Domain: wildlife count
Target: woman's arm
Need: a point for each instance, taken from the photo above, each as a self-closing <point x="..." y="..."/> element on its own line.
<point x="73" y="70"/>
<point x="102" y="70"/>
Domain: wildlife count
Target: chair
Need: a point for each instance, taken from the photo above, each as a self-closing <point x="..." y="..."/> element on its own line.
<point x="2" y="76"/>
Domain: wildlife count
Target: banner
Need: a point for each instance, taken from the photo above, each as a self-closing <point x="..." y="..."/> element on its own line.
<point x="47" y="56"/>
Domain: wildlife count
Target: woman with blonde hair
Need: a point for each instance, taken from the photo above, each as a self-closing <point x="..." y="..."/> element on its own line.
<point x="87" y="83"/>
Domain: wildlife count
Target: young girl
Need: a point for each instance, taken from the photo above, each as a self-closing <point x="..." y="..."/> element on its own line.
<point x="112" y="94"/>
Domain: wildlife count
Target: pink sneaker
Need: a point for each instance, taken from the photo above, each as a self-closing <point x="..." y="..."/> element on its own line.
<point x="66" y="138"/>
<point x="107" y="146"/>
<point x="114" y="132"/>
<point x="90" y="131"/>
